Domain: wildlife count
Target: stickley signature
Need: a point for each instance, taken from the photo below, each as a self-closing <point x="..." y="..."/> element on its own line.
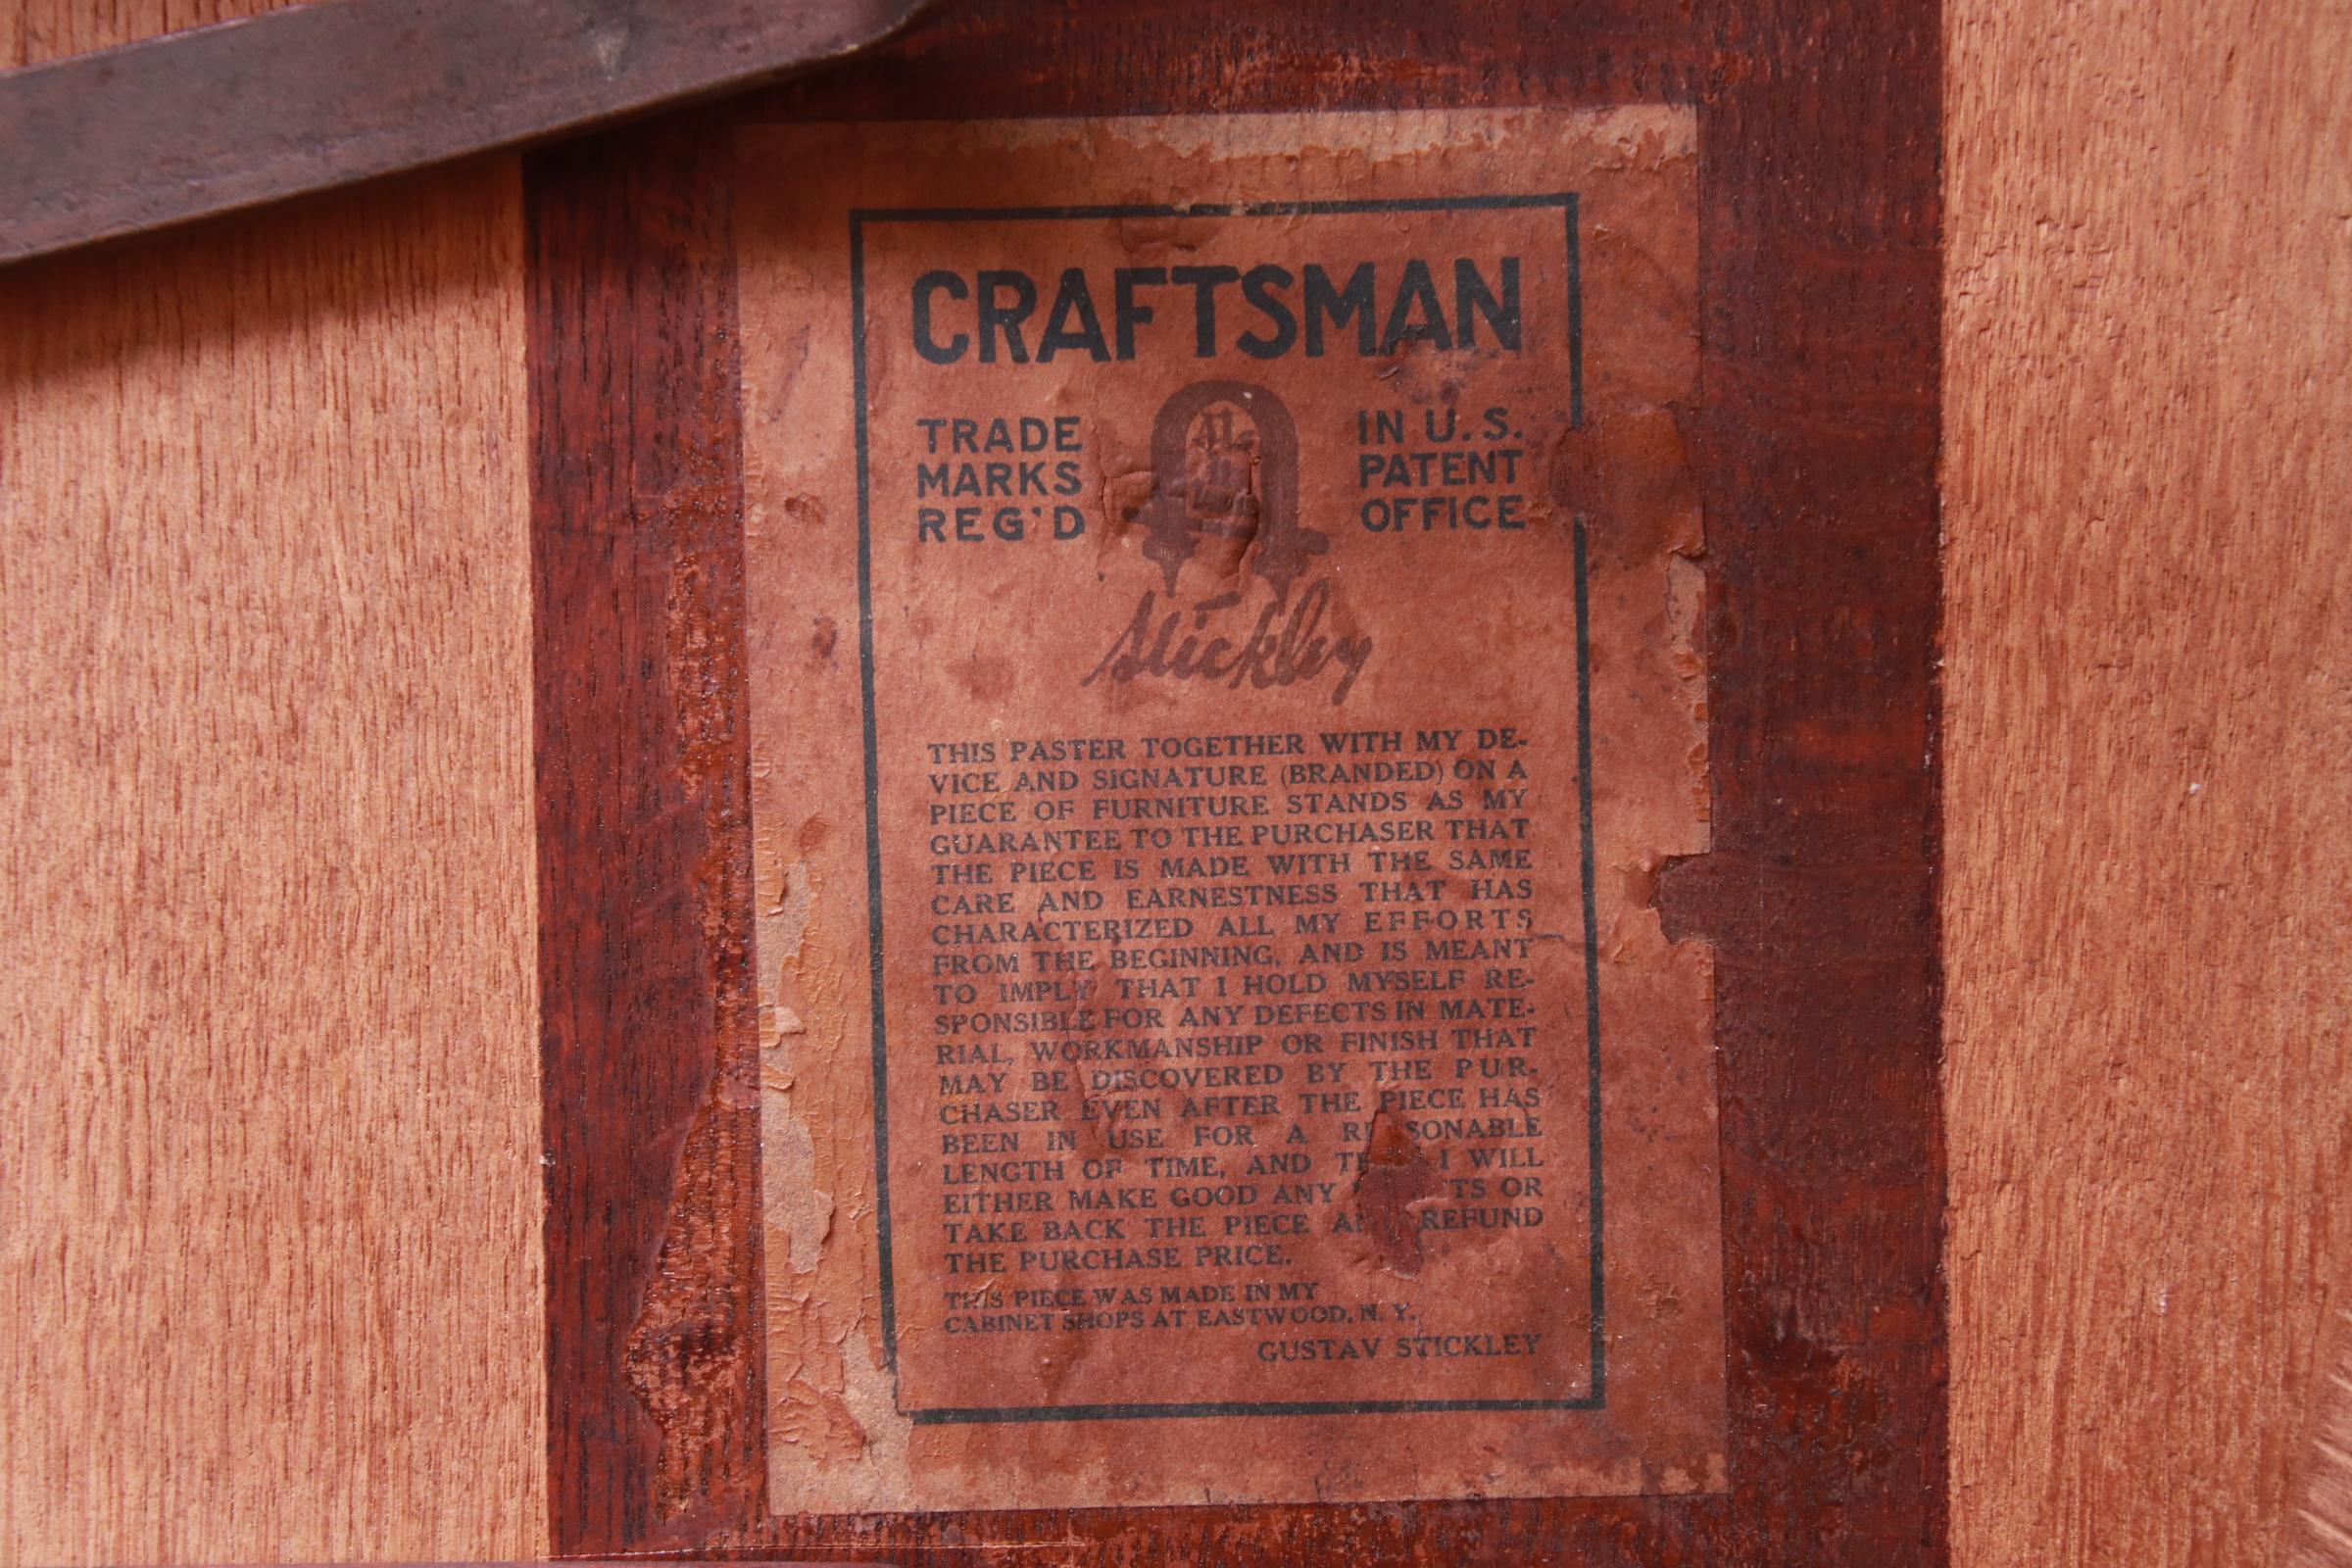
<point x="1156" y="642"/>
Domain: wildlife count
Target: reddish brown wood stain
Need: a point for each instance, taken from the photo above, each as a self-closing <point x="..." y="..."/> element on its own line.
<point x="1820" y="277"/>
<point x="647" y="1090"/>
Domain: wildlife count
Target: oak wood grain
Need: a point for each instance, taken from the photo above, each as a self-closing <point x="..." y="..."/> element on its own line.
<point x="2149" y="708"/>
<point x="46" y="29"/>
<point x="269" y="1278"/>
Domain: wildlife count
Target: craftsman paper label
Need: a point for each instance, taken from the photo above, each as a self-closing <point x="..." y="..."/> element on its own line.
<point x="1223" y="601"/>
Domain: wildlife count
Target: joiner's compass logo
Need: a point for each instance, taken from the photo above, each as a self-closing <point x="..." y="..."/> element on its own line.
<point x="1225" y="479"/>
<point x="1225" y="491"/>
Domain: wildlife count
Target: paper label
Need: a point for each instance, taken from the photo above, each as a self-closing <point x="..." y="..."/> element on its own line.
<point x="1224" y="671"/>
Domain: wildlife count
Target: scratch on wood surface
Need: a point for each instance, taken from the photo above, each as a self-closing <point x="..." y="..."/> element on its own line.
<point x="2319" y="1534"/>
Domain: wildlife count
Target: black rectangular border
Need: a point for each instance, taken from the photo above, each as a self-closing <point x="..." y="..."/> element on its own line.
<point x="1598" y="1398"/>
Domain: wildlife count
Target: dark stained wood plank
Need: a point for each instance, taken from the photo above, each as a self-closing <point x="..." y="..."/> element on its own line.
<point x="314" y="96"/>
<point x="649" y="1090"/>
